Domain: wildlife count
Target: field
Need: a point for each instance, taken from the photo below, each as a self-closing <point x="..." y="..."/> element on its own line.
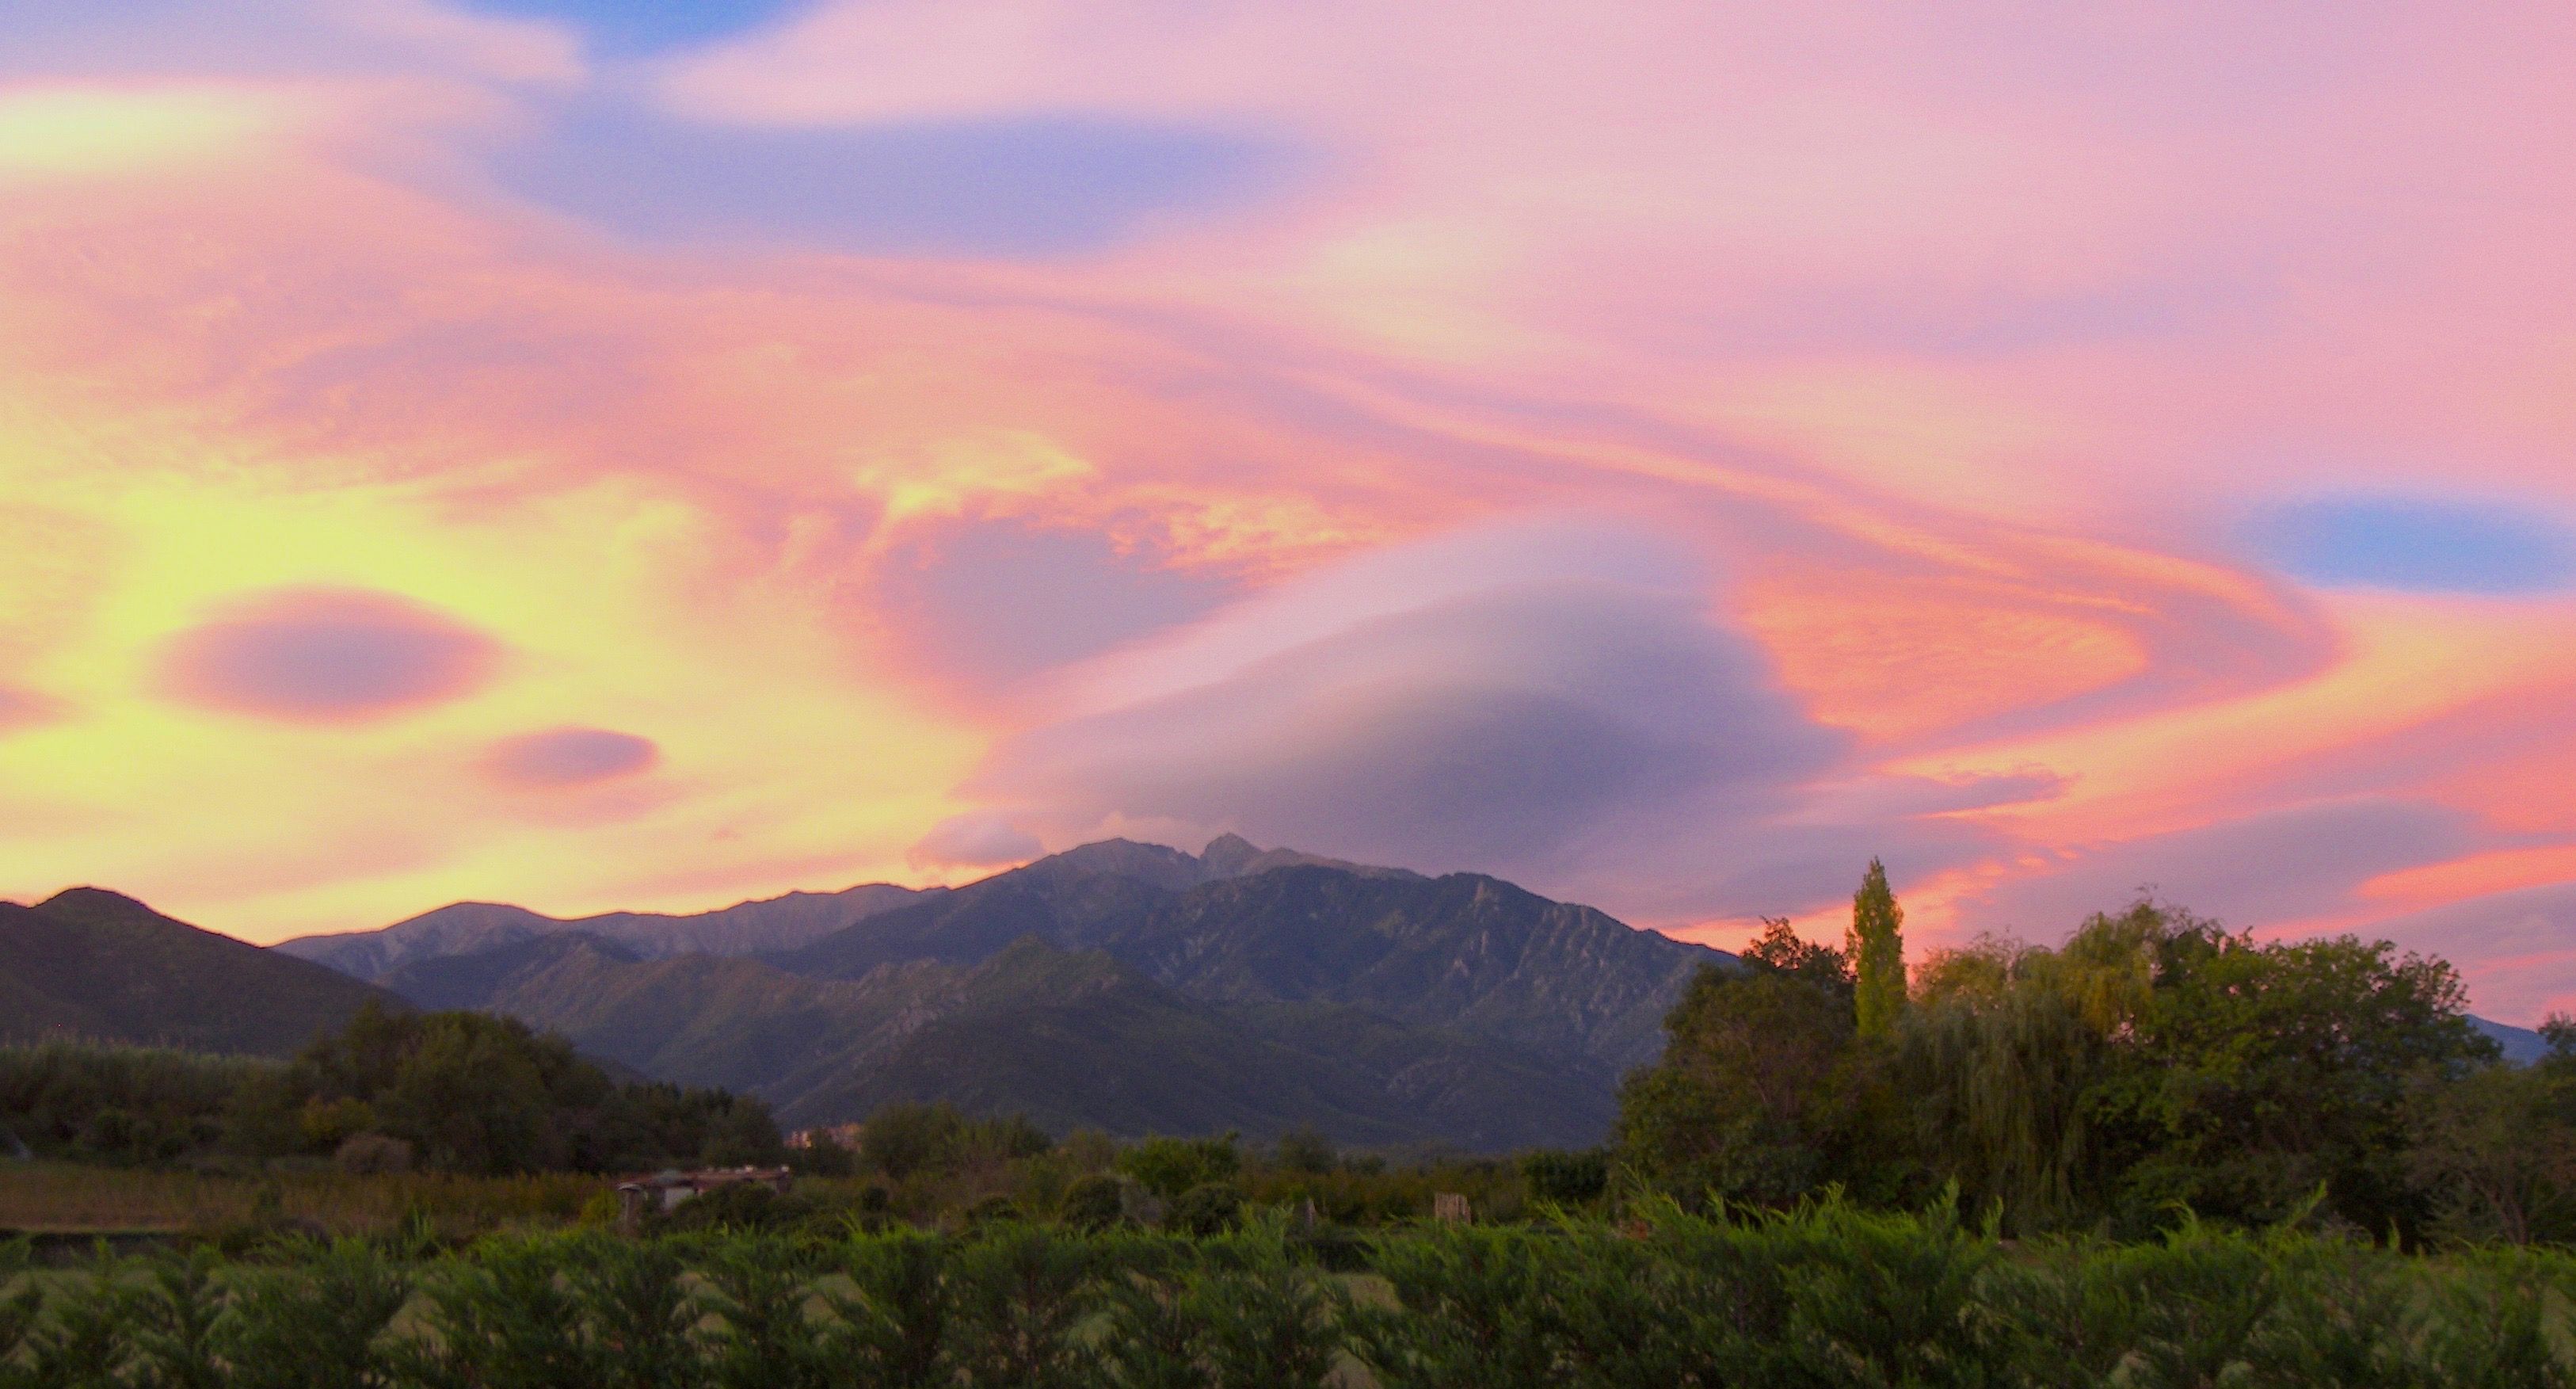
<point x="1824" y="1296"/>
<point x="50" y="1198"/>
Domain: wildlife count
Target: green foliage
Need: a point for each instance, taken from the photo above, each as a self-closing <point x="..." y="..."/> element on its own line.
<point x="1169" y="1166"/>
<point x="171" y="1320"/>
<point x="640" y="1318"/>
<point x="1783" y="951"/>
<point x="895" y="1332"/>
<point x="2497" y="1148"/>
<point x="1566" y="1179"/>
<point x="457" y="1092"/>
<point x="1210" y="1208"/>
<point x="1876" y="949"/>
<point x="903" y="1139"/>
<point x="78" y="1343"/>
<point x="317" y="1321"/>
<point x="1015" y="1298"/>
<point x="2155" y="1062"/>
<point x="738" y="1206"/>
<point x="1096" y="1202"/>
<point x="1755" y="1084"/>
<point x="120" y="1105"/>
<point x="754" y="1295"/>
<point x="1306" y="1149"/>
<point x="498" y="1320"/>
<point x="1822" y="1295"/>
<point x="822" y="1156"/>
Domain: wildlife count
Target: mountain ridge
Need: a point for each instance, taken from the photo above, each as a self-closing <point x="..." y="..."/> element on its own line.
<point x="745" y="928"/>
<point x="88" y="964"/>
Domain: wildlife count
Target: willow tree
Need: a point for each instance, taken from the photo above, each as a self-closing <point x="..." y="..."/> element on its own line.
<point x="1876" y="949"/>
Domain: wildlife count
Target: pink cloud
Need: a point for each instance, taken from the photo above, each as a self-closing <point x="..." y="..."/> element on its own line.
<point x="976" y="839"/>
<point x="561" y="757"/>
<point x="326" y="656"/>
<point x="23" y="709"/>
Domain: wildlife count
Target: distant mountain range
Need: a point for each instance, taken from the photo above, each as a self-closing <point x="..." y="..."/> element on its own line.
<point x="748" y="928"/>
<point x="1120" y="985"/>
<point x="91" y="965"/>
<point x="1129" y="986"/>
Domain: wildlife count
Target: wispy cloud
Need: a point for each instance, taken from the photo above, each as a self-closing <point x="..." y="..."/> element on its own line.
<point x="1671" y="452"/>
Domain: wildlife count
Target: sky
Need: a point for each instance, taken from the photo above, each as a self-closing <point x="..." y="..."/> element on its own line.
<point x="648" y="456"/>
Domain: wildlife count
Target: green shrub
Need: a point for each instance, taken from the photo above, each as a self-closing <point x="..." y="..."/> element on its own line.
<point x="1168" y="1167"/>
<point x="1566" y="1179"/>
<point x="638" y="1309"/>
<point x="1016" y="1295"/>
<point x="1210" y="1208"/>
<point x="1093" y="1203"/>
<point x="314" y="1321"/>
<point x="895" y="1332"/>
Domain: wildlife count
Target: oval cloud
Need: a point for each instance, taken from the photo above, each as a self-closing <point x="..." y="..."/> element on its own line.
<point x="327" y="656"/>
<point x="569" y="757"/>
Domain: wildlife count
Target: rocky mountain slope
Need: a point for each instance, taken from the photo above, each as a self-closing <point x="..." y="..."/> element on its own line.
<point x="1124" y="985"/>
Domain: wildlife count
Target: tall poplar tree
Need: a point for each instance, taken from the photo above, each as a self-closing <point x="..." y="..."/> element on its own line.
<point x="1876" y="949"/>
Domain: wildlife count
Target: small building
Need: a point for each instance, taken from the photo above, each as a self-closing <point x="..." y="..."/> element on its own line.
<point x="664" y="1190"/>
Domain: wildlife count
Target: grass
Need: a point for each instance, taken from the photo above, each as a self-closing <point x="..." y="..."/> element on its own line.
<point x="67" y="1198"/>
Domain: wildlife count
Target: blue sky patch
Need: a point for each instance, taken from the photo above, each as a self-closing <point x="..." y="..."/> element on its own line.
<point x="1029" y="186"/>
<point x="2416" y="544"/>
<point x="627" y="28"/>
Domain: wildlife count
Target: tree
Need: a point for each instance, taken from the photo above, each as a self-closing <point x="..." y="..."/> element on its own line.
<point x="2159" y="1060"/>
<point x="1876" y="948"/>
<point x="2259" y="1072"/>
<point x="2498" y="1150"/>
<point x="1306" y="1149"/>
<point x="1746" y="1096"/>
<point x="1169" y="1167"/>
<point x="1785" y="951"/>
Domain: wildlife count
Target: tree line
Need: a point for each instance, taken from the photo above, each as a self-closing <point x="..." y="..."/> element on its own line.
<point x="2155" y="1063"/>
<point x="447" y="1092"/>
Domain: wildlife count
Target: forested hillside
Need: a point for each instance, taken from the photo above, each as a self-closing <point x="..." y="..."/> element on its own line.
<point x="95" y="966"/>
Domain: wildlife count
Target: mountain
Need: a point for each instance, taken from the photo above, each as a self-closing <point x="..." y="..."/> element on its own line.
<point x="93" y="965"/>
<point x="1067" y="1038"/>
<point x="466" y="928"/>
<point x="1122" y="985"/>
<point x="1463" y="952"/>
<point x="2522" y="1046"/>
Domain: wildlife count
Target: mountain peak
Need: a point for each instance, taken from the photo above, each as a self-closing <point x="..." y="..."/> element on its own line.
<point x="91" y="899"/>
<point x="1226" y="854"/>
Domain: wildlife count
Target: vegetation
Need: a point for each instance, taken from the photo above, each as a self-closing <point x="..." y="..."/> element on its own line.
<point x="98" y="967"/>
<point x="2156" y="1064"/>
<point x="446" y="1092"/>
<point x="1877" y="950"/>
<point x="1823" y="1294"/>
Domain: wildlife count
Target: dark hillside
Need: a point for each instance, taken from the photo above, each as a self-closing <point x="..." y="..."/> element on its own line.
<point x="97" y="966"/>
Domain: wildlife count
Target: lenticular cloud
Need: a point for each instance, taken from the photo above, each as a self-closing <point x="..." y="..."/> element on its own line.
<point x="1498" y="700"/>
<point x="327" y="656"/>
<point x="569" y="757"/>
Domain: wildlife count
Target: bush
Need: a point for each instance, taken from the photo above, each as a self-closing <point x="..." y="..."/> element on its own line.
<point x="1823" y="1295"/>
<point x="1096" y="1202"/>
<point x="1210" y="1208"/>
<point x="739" y="1206"/>
<point x="822" y="1156"/>
<point x="1306" y="1149"/>
<point x="1169" y="1166"/>
<point x="367" y="1154"/>
<point x="1566" y="1179"/>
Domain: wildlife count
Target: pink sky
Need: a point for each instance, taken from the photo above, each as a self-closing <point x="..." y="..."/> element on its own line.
<point x="1665" y="455"/>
